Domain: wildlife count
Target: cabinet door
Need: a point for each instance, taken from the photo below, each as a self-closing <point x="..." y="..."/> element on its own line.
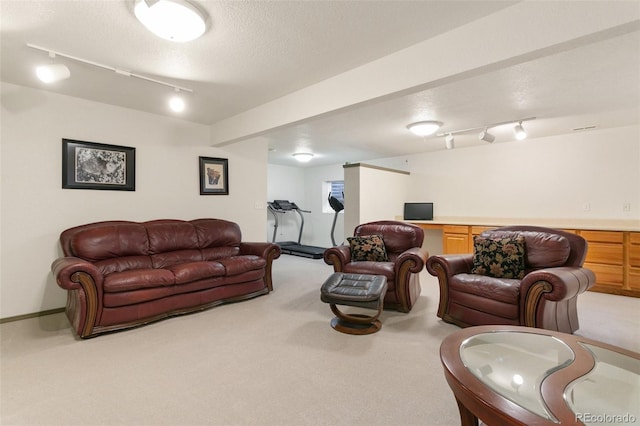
<point x="634" y="260"/>
<point x="605" y="257"/>
<point x="455" y="239"/>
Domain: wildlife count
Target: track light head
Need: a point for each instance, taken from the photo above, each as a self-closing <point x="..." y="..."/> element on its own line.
<point x="518" y="130"/>
<point x="449" y="141"/>
<point x="52" y="73"/>
<point x="486" y="136"/>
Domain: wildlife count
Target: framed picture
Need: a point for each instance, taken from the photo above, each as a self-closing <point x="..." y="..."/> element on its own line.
<point x="214" y="176"/>
<point x="89" y="165"/>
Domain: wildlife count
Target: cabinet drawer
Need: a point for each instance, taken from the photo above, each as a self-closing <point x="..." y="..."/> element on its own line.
<point x="607" y="274"/>
<point x="603" y="236"/>
<point x="477" y="230"/>
<point x="610" y="254"/>
<point x="634" y="237"/>
<point x="455" y="229"/>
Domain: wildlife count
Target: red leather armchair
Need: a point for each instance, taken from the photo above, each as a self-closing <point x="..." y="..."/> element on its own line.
<point x="545" y="298"/>
<point x="403" y="244"/>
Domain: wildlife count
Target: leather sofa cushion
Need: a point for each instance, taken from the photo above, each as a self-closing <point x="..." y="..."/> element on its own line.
<point x="188" y="272"/>
<point x="171" y="235"/>
<point x="109" y="241"/>
<point x="119" y="264"/>
<point x="240" y="264"/>
<point x="215" y="253"/>
<point x="136" y="279"/>
<point x="217" y="233"/>
<point x="163" y="260"/>
<point x="543" y="250"/>
<point x="505" y="290"/>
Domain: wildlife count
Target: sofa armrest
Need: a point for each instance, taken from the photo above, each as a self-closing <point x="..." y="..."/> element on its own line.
<point x="415" y="258"/>
<point x="269" y="252"/>
<point x="83" y="281"/>
<point x="450" y="264"/>
<point x="264" y="250"/>
<point x="338" y="257"/>
<point x="64" y="270"/>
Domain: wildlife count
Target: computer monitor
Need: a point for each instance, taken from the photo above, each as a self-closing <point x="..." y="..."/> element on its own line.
<point x="418" y="211"/>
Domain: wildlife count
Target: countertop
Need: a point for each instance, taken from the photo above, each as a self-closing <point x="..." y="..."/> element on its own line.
<point x="586" y="224"/>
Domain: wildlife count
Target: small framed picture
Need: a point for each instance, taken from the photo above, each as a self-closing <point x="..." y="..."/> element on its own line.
<point x="214" y="176"/>
<point x="89" y="165"/>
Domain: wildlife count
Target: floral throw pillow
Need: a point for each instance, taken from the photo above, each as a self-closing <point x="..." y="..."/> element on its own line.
<point x="499" y="257"/>
<point x="368" y="247"/>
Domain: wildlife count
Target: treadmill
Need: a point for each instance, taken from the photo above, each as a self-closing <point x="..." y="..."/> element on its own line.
<point x="291" y="247"/>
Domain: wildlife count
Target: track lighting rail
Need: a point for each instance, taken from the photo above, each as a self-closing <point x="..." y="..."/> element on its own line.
<point x="487" y="127"/>
<point x="107" y="67"/>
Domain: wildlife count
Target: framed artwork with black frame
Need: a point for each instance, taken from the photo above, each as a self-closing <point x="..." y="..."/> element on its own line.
<point x="214" y="176"/>
<point x="90" y="165"/>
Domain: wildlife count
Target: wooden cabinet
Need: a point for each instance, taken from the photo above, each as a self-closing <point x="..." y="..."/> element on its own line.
<point x="633" y="276"/>
<point x="455" y="239"/>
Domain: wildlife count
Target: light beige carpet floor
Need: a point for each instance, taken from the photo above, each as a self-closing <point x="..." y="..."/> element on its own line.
<point x="273" y="360"/>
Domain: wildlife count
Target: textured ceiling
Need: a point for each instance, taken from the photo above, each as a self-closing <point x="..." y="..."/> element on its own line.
<point x="258" y="51"/>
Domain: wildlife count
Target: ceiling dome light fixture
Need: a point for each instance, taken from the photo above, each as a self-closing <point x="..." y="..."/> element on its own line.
<point x="303" y="157"/>
<point x="174" y="20"/>
<point x="486" y="136"/>
<point x="424" y="128"/>
<point x="518" y="130"/>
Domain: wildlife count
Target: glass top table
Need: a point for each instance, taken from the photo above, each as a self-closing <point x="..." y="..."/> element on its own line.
<point x="520" y="375"/>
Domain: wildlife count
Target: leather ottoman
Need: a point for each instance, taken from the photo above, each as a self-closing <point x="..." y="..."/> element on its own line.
<point x="359" y="290"/>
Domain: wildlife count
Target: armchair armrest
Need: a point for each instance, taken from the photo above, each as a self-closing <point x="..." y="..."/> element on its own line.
<point x="559" y="283"/>
<point x="450" y="264"/>
<point x="550" y="286"/>
<point x="415" y="258"/>
<point x="338" y="257"/>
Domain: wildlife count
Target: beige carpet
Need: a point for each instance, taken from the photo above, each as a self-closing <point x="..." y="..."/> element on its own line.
<point x="273" y="360"/>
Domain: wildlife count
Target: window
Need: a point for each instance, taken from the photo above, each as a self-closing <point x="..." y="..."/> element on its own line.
<point x="334" y="188"/>
<point x="337" y="189"/>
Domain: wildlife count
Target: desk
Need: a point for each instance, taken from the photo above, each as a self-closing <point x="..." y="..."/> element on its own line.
<point x="508" y="375"/>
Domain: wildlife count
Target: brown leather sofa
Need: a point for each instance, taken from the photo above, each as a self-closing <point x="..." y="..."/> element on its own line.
<point x="122" y="274"/>
<point x="406" y="258"/>
<point x="546" y="297"/>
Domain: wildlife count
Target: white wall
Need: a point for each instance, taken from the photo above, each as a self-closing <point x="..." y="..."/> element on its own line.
<point x="35" y="209"/>
<point x="550" y="177"/>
